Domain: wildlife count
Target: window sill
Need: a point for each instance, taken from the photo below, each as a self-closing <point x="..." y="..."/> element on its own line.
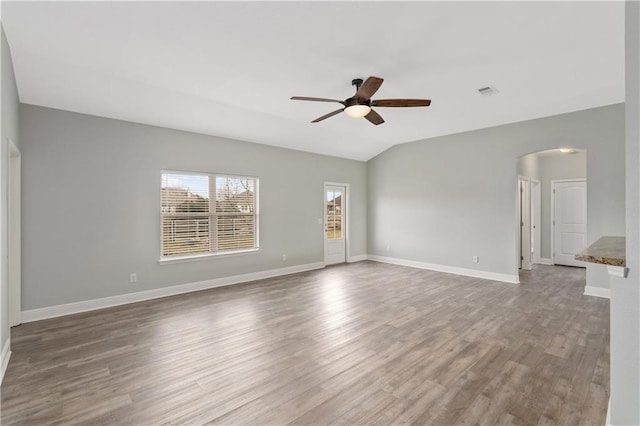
<point x="206" y="256"/>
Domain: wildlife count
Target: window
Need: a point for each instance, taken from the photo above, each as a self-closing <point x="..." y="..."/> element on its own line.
<point x="208" y="214"/>
<point x="334" y="215"/>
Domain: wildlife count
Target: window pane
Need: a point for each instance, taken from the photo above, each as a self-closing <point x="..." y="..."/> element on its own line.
<point x="338" y="201"/>
<point x="236" y="232"/>
<point x="183" y="193"/>
<point x="329" y="203"/>
<point x="235" y="195"/>
<point x="185" y="235"/>
<point x="337" y="232"/>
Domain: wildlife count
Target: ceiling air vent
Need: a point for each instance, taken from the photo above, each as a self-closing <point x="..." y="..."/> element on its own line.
<point x="487" y="91"/>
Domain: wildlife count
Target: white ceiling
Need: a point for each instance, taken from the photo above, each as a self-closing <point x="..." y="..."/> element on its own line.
<point x="229" y="69"/>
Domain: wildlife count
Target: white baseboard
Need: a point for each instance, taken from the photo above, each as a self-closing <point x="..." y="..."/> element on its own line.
<point x="4" y="358"/>
<point x="607" y="422"/>
<point x="123" y="299"/>
<point x="494" y="276"/>
<point x="544" y="261"/>
<point x="597" y="292"/>
<point x="358" y="258"/>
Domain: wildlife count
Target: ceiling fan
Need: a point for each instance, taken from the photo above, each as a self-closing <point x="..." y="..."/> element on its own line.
<point x="359" y="105"/>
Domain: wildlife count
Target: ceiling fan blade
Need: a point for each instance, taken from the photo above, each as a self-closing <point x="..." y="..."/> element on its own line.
<point x="401" y="102"/>
<point x="331" y="114"/>
<point x="374" y="117"/>
<point x="369" y="87"/>
<point x="305" y="98"/>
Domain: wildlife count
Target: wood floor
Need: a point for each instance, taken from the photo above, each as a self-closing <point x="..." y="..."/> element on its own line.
<point x="366" y="343"/>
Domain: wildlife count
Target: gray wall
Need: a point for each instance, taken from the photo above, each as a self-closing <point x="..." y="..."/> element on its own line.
<point x="9" y="130"/>
<point x="625" y="293"/>
<point x="446" y="199"/>
<point x="91" y="194"/>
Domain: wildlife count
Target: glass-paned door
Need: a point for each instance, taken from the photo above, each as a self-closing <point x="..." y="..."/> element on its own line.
<point x="334" y="221"/>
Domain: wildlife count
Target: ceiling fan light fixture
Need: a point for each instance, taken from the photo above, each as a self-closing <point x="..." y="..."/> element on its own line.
<point x="357" y="111"/>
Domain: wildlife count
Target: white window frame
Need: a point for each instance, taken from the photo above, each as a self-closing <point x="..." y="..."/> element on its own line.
<point x="212" y="215"/>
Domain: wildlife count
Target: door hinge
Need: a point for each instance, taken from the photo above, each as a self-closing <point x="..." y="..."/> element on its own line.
<point x="521" y="257"/>
<point x="554" y="191"/>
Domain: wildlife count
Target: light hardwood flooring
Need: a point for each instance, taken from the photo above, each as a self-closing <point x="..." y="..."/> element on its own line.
<point x="366" y="343"/>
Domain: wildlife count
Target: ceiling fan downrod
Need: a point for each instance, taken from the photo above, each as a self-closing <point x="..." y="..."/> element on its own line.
<point x="357" y="82"/>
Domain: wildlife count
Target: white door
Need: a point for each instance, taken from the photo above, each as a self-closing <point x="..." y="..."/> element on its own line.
<point x="525" y="223"/>
<point x="334" y="224"/>
<point x="569" y="221"/>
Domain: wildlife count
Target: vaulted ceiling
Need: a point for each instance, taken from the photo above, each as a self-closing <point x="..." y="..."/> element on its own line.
<point x="228" y="69"/>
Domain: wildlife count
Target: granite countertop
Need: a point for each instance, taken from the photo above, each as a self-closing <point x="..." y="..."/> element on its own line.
<point x="606" y="251"/>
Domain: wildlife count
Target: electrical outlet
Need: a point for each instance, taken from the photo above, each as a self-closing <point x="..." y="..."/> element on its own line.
<point x="475" y="259"/>
<point x="284" y="257"/>
<point x="133" y="278"/>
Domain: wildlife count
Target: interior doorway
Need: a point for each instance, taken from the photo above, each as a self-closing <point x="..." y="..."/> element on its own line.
<point x="524" y="216"/>
<point x="540" y="240"/>
<point x="336" y="225"/>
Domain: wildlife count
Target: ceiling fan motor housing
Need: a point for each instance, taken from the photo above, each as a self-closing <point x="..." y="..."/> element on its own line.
<point x="357" y="101"/>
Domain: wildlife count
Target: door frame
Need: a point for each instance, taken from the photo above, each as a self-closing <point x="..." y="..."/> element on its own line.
<point x="525" y="261"/>
<point x="14" y="261"/>
<point x="346" y="228"/>
<point x="552" y="207"/>
<point x="536" y="219"/>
